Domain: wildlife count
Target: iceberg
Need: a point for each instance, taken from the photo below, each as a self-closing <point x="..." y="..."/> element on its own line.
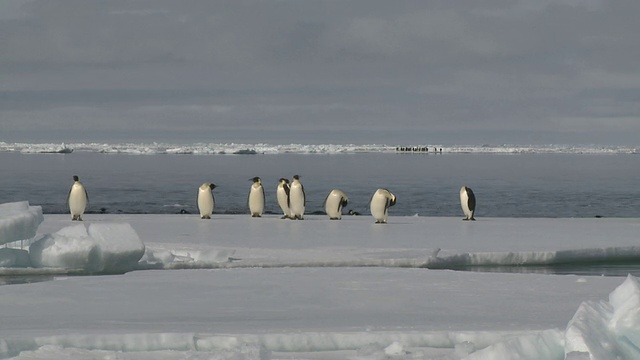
<point x="19" y="221"/>
<point x="98" y="248"/>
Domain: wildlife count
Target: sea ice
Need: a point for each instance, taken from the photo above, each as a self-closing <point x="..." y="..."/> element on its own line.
<point x="19" y="221"/>
<point x="100" y="248"/>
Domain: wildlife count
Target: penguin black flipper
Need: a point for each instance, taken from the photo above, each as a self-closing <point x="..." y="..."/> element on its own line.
<point x="472" y="199"/>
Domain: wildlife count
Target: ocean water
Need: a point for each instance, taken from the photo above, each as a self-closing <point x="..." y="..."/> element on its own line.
<point x="506" y="184"/>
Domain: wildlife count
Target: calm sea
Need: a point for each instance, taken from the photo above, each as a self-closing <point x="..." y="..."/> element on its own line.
<point x="506" y="185"/>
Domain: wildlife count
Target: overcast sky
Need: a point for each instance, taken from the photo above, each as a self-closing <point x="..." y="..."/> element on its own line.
<point x="341" y="71"/>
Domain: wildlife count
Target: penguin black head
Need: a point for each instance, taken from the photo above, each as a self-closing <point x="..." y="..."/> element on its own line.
<point x="212" y="186"/>
<point x="255" y="179"/>
<point x="75" y="178"/>
<point x="296" y="177"/>
<point x="283" y="180"/>
<point x="392" y="201"/>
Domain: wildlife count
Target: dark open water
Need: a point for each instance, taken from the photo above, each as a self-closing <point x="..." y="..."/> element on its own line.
<point x="506" y="185"/>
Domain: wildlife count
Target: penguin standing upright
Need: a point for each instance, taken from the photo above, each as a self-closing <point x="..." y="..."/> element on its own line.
<point x="468" y="202"/>
<point x="206" y="201"/>
<point x="297" y="200"/>
<point x="334" y="203"/>
<point x="256" y="198"/>
<point x="77" y="199"/>
<point x="381" y="200"/>
<point x="282" y="193"/>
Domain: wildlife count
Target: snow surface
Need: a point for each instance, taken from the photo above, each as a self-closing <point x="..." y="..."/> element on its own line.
<point x="233" y="148"/>
<point x="266" y="288"/>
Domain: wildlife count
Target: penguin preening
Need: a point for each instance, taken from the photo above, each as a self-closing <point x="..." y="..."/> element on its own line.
<point x="77" y="199"/>
<point x="256" y="198"/>
<point x="297" y="199"/>
<point x="206" y="201"/>
<point x="468" y="202"/>
<point x="282" y="193"/>
<point x="334" y="203"/>
<point x="381" y="201"/>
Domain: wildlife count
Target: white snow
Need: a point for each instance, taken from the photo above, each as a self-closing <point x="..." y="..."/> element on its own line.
<point x="318" y="289"/>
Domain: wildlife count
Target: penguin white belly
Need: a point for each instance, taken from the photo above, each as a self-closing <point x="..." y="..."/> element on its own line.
<point x="296" y="201"/>
<point x="256" y="200"/>
<point x="333" y="204"/>
<point x="205" y="202"/>
<point x="77" y="200"/>
<point x="283" y="201"/>
<point x="379" y="208"/>
<point x="464" y="202"/>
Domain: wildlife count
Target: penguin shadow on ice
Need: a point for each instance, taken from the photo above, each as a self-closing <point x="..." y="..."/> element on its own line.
<point x="256" y="199"/>
<point x="78" y="198"/>
<point x="206" y="201"/>
<point x="468" y="203"/>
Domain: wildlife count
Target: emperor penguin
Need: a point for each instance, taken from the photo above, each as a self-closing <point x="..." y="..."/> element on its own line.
<point x="468" y="202"/>
<point x="206" y="201"/>
<point x="334" y="203"/>
<point x="282" y="193"/>
<point x="77" y="199"/>
<point x="256" y="198"/>
<point x="297" y="199"/>
<point x="381" y="200"/>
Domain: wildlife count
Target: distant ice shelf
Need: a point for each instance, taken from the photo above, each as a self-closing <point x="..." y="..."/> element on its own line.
<point x="242" y="148"/>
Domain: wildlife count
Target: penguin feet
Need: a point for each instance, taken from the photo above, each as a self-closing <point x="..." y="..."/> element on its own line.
<point x="284" y="217"/>
<point x="256" y="215"/>
<point x="205" y="217"/>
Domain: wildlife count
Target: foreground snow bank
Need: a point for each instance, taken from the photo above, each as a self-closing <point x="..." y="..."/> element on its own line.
<point x="19" y="221"/>
<point x="100" y="248"/>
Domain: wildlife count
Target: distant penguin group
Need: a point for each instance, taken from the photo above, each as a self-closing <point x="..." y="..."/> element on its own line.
<point x="291" y="200"/>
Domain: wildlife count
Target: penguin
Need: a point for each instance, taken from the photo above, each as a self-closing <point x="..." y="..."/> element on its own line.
<point x="297" y="199"/>
<point x="334" y="203"/>
<point x="353" y="213"/>
<point x="381" y="200"/>
<point x="468" y="202"/>
<point x="282" y="193"/>
<point x="206" y="201"/>
<point x="77" y="199"/>
<point x="256" y="198"/>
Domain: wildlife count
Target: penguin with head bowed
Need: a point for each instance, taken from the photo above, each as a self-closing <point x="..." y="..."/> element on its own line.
<point x="206" y="201"/>
<point x="334" y="203"/>
<point x="297" y="199"/>
<point x="77" y="199"/>
<point x="381" y="200"/>
<point x="468" y="202"/>
<point x="256" y="198"/>
<point x="282" y="193"/>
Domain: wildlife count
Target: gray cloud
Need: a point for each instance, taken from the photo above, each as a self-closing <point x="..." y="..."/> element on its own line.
<point x="465" y="71"/>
